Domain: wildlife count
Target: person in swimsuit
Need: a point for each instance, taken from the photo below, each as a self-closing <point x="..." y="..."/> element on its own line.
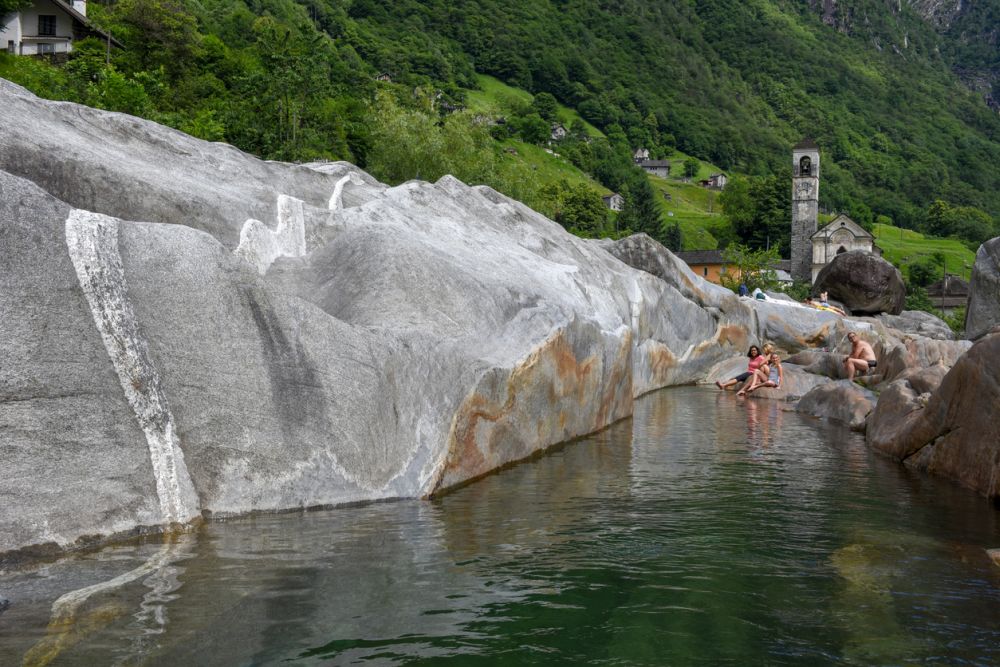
<point x="756" y="359"/>
<point x="772" y="377"/>
<point x="861" y="357"/>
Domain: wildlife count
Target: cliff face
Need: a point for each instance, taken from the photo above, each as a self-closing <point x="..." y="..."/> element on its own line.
<point x="965" y="32"/>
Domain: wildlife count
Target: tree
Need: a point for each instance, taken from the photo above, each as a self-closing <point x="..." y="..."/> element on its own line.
<point x="7" y="6"/>
<point x="640" y="212"/>
<point x="672" y="237"/>
<point x="691" y="167"/>
<point x="753" y="268"/>
<point x="545" y="106"/>
<point x="583" y="212"/>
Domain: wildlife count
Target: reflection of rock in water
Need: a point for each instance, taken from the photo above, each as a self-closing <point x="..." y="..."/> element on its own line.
<point x="75" y="618"/>
<point x="865" y="608"/>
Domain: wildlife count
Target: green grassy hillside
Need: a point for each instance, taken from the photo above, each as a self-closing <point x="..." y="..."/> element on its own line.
<point x="903" y="247"/>
<point x="496" y="97"/>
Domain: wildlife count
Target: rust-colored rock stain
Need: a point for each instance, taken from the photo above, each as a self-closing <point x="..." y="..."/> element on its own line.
<point x="550" y="397"/>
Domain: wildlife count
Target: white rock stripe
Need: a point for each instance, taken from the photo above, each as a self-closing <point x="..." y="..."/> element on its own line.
<point x="260" y="245"/>
<point x="92" y="240"/>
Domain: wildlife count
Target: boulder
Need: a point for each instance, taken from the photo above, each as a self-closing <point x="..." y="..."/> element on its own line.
<point x="948" y="427"/>
<point x="274" y="336"/>
<point x="820" y="362"/>
<point x="864" y="282"/>
<point x="897" y="355"/>
<point x="983" y="313"/>
<point x="917" y="322"/>
<point x="841" y="401"/>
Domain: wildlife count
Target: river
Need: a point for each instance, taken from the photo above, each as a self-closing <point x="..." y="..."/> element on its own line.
<point x="704" y="530"/>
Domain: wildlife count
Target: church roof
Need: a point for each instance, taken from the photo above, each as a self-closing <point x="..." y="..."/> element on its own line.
<point x="806" y="143"/>
<point x="842" y="222"/>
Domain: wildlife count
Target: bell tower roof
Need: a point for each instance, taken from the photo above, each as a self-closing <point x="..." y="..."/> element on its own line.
<point x="806" y="144"/>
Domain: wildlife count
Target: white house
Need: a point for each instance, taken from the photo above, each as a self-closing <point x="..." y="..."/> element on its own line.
<point x="841" y="235"/>
<point x="48" y="27"/>
<point x="614" y="201"/>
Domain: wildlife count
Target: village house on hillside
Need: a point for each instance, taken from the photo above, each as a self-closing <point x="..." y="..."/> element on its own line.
<point x="49" y="27"/>
<point x="839" y="236"/>
<point x="715" y="181"/>
<point x="659" y="168"/>
<point x="558" y="132"/>
<point x="614" y="201"/>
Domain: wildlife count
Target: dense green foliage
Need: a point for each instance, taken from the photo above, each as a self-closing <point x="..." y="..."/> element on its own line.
<point x="731" y="82"/>
<point x="752" y="268"/>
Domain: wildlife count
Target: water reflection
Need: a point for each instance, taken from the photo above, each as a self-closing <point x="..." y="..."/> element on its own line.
<point x="703" y="530"/>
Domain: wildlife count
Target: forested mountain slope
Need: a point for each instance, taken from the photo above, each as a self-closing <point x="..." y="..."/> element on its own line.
<point x="734" y="82"/>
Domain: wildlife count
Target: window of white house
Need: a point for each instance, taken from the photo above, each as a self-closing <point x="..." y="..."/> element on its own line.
<point x="46" y="25"/>
<point x="46" y="48"/>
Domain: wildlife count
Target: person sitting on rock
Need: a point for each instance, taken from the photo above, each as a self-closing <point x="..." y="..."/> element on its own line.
<point x="770" y="374"/>
<point x="756" y="359"/>
<point x="861" y="357"/>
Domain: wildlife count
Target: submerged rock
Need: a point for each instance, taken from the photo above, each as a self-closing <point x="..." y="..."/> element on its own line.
<point x="842" y="401"/>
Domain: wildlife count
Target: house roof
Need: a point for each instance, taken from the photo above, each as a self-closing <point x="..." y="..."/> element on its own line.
<point x="610" y="196"/>
<point x="841" y="222"/>
<point x="692" y="257"/>
<point x="655" y="163"/>
<point x="807" y="143"/>
<point x="82" y="19"/>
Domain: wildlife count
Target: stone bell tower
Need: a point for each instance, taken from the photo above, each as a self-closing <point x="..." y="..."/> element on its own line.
<point x="805" y="206"/>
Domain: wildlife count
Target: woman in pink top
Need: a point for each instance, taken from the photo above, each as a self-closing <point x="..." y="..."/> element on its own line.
<point x="756" y="359"/>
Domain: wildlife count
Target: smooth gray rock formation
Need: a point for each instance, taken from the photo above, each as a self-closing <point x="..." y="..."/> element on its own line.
<point x="864" y="282"/>
<point x="272" y="336"/>
<point x="946" y="422"/>
<point x="917" y="322"/>
<point x="841" y="401"/>
<point x="983" y="313"/>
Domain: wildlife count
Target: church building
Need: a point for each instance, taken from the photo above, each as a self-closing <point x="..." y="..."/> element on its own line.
<point x="805" y="206"/>
<point x="841" y="235"/>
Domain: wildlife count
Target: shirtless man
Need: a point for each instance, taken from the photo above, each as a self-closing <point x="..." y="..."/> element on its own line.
<point x="861" y="358"/>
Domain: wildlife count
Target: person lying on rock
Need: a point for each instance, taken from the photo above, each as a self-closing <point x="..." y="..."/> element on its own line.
<point x="822" y="305"/>
<point x="756" y="359"/>
<point x="861" y="357"/>
<point x="768" y="375"/>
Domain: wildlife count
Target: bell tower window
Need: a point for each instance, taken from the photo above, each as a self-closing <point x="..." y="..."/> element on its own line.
<point x="805" y="166"/>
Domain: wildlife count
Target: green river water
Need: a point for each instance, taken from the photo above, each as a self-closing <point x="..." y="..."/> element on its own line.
<point x="706" y="530"/>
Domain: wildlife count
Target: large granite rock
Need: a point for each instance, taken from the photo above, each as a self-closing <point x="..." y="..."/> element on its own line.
<point x="983" y="313"/>
<point x="864" y="282"/>
<point x="841" y="401"/>
<point x="946" y="423"/>
<point x="788" y="325"/>
<point x="274" y="336"/>
<point x="917" y="322"/>
<point x="898" y="354"/>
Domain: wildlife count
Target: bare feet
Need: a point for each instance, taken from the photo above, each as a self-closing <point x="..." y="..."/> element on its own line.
<point x="741" y="392"/>
<point x="718" y="384"/>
